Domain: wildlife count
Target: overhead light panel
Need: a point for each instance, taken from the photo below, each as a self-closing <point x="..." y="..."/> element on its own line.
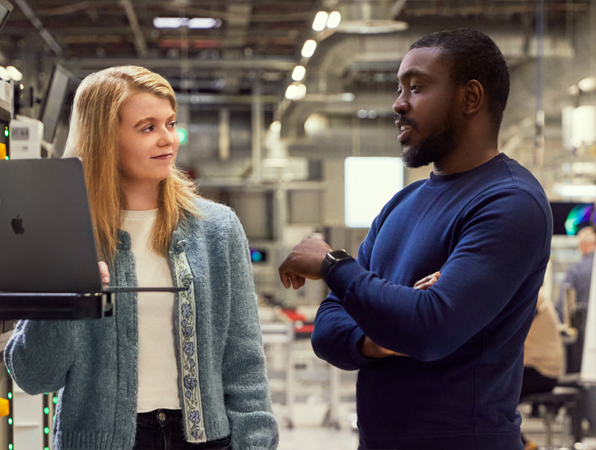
<point x="14" y="73"/>
<point x="202" y="23"/>
<point x="320" y="21"/>
<point x="309" y="48"/>
<point x="291" y="91"/>
<point x="298" y="73"/>
<point x="334" y="19"/>
<point x="300" y="92"/>
<point x="587" y="84"/>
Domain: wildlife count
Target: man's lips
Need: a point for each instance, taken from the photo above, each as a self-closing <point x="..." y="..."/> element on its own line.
<point x="405" y="128"/>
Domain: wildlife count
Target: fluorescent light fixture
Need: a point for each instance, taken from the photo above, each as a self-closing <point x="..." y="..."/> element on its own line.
<point x="587" y="191"/>
<point x="291" y="91"/>
<point x="370" y="182"/>
<point x="14" y="73"/>
<point x="298" y="73"/>
<point x="177" y="22"/>
<point x="309" y="48"/>
<point x="204" y="23"/>
<point x="320" y="21"/>
<point x="348" y="97"/>
<point x="300" y="92"/>
<point x="275" y="126"/>
<point x="573" y="90"/>
<point x="4" y="75"/>
<point x="587" y="84"/>
<point x="334" y="19"/>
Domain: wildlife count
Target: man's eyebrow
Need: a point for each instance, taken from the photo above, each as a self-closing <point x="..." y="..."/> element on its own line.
<point x="413" y="73"/>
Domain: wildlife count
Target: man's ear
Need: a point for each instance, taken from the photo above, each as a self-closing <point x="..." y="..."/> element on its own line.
<point x="473" y="98"/>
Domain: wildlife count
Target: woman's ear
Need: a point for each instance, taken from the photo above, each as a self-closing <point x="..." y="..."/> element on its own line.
<point x="473" y="98"/>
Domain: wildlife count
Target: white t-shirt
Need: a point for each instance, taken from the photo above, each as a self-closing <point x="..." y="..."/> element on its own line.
<point x="157" y="368"/>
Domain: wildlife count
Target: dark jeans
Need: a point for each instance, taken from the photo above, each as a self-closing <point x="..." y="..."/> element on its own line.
<point x="162" y="430"/>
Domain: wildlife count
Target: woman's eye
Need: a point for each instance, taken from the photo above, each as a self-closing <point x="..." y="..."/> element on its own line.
<point x="148" y="129"/>
<point x="172" y="124"/>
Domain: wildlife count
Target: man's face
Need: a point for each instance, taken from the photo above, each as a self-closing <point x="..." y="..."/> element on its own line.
<point x="425" y="108"/>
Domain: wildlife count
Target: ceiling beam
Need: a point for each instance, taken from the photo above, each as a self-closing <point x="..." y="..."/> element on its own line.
<point x="140" y="42"/>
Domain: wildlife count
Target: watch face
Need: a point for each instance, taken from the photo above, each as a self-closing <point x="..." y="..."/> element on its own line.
<point x="339" y="254"/>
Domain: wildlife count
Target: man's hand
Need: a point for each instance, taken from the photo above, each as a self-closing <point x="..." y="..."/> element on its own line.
<point x="373" y="350"/>
<point x="304" y="262"/>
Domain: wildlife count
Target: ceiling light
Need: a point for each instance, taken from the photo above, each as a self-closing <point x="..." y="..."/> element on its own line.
<point x="203" y="23"/>
<point x="372" y="26"/>
<point x="291" y="91"/>
<point x="275" y="126"/>
<point x="309" y="48"/>
<point x="320" y="21"/>
<point x="4" y="75"/>
<point x="573" y="90"/>
<point x="300" y="92"/>
<point x="575" y="190"/>
<point x="14" y="73"/>
<point x="177" y="22"/>
<point x="298" y="73"/>
<point x="334" y="19"/>
<point x="587" y="84"/>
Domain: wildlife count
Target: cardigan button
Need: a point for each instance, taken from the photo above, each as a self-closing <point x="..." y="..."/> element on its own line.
<point x="162" y="416"/>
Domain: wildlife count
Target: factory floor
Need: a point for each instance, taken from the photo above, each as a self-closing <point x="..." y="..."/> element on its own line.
<point x="313" y="437"/>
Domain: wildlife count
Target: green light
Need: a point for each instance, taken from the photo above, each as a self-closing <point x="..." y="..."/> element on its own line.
<point x="10" y="395"/>
<point x="10" y="421"/>
<point x="46" y="410"/>
<point x="7" y="369"/>
<point x="182" y="135"/>
<point x="6" y="132"/>
<point x="46" y="448"/>
<point x="7" y="158"/>
<point x="9" y="446"/>
<point x="55" y="400"/>
<point x="46" y="430"/>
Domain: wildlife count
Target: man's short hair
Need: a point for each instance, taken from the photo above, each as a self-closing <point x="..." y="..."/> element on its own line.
<point x="587" y="235"/>
<point x="472" y="55"/>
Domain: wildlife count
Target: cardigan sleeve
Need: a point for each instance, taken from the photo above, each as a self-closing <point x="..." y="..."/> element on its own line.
<point x="244" y="378"/>
<point x="39" y="354"/>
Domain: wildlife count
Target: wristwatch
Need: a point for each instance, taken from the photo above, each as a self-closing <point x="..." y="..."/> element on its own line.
<point x="330" y="260"/>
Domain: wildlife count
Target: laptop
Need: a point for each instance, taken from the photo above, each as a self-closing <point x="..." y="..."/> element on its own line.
<point x="46" y="234"/>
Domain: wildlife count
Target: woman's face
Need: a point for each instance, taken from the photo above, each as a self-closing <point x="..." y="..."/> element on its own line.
<point x="147" y="140"/>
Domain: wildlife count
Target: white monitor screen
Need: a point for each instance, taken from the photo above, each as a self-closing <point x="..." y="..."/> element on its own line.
<point x="370" y="182"/>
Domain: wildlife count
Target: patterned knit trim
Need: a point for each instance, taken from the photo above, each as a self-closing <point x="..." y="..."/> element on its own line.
<point x="193" y="408"/>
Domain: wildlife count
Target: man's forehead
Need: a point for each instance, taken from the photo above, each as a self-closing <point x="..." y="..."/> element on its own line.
<point x="420" y="61"/>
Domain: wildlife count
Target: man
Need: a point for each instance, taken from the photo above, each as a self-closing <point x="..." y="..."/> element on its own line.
<point x="579" y="276"/>
<point x="483" y="221"/>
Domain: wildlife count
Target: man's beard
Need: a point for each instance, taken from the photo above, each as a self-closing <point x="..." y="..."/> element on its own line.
<point x="434" y="148"/>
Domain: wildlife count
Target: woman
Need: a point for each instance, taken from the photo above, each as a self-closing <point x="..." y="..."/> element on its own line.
<point x="182" y="371"/>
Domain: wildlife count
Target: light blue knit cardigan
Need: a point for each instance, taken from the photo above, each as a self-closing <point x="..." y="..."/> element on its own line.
<point x="221" y="365"/>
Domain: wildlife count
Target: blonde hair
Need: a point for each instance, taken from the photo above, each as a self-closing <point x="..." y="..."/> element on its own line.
<point x="93" y="136"/>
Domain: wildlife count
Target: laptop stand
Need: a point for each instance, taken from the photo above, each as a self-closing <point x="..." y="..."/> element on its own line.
<point x="55" y="306"/>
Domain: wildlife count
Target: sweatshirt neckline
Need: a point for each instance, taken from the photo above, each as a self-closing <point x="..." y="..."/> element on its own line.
<point x="440" y="180"/>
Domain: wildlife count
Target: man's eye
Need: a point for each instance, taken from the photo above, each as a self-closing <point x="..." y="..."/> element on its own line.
<point x="415" y="87"/>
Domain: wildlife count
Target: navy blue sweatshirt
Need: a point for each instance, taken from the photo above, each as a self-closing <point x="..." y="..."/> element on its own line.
<point x="488" y="232"/>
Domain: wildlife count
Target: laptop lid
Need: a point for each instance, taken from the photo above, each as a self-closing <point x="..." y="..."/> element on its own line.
<point x="46" y="234"/>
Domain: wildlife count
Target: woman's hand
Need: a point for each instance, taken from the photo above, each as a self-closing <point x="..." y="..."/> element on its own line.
<point x="427" y="281"/>
<point x="104" y="272"/>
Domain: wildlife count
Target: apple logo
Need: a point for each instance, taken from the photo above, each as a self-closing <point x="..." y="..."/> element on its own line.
<point x="17" y="225"/>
